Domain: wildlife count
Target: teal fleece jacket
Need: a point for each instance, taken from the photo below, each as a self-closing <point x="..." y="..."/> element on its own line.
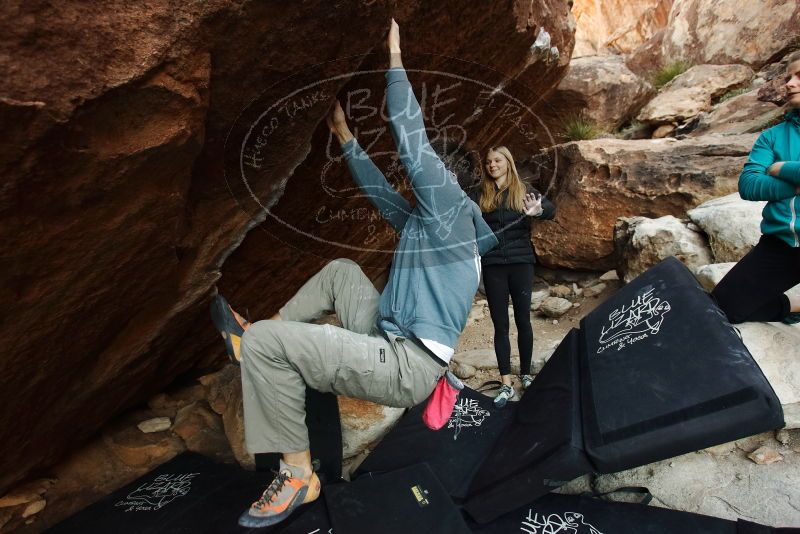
<point x="434" y="273"/>
<point x="779" y="143"/>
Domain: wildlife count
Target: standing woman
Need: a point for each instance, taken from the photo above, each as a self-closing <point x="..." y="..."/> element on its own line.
<point x="507" y="205"/>
<point x="754" y="289"/>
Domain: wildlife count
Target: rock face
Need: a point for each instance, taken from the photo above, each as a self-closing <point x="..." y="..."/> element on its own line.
<point x="641" y="243"/>
<point x="364" y="423"/>
<point x="615" y="26"/>
<point x="743" y="113"/>
<point x="119" y="203"/>
<point x="733" y="225"/>
<point x="730" y="31"/>
<point x="603" y="88"/>
<point x="776" y="348"/>
<point x="693" y="92"/>
<point x="595" y="182"/>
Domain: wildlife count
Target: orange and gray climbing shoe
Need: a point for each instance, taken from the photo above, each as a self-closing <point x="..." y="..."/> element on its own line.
<point x="225" y="321"/>
<point x="283" y="496"/>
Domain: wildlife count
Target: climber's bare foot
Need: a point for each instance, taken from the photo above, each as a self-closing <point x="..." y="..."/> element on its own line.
<point x="244" y="323"/>
<point x="393" y="44"/>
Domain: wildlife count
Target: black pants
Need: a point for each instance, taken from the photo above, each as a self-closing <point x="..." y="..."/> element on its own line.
<point x="753" y="289"/>
<point x="517" y="280"/>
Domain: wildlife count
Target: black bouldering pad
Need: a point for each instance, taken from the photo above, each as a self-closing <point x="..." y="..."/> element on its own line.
<point x="586" y="515"/>
<point x="663" y="373"/>
<point x="407" y="501"/>
<point x="453" y="452"/>
<point x="189" y="494"/>
<point x="543" y="448"/>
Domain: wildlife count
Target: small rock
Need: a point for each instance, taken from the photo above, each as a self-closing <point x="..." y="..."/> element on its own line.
<point x="576" y="304"/>
<point x="34" y="508"/>
<point x="156" y="424"/>
<point x="789" y="437"/>
<point x="765" y="456"/>
<point x="560" y="291"/>
<point x="537" y="297"/>
<point x="555" y="321"/>
<point x="663" y="131"/>
<point x="575" y="290"/>
<point x="723" y="449"/>
<point x="594" y="290"/>
<point x="609" y="276"/>
<point x="555" y="306"/>
<point x="463" y="371"/>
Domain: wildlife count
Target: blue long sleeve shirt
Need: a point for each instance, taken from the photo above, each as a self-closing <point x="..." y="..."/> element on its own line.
<point x="433" y="277"/>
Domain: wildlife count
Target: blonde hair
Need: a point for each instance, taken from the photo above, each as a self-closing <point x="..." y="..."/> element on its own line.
<point x="490" y="198"/>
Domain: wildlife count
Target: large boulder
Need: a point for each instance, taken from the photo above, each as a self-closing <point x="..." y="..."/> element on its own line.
<point x="122" y="206"/>
<point x="694" y="91"/>
<point x="710" y="275"/>
<point x="641" y="243"/>
<point x="740" y="114"/>
<point x="603" y="88"/>
<point x="730" y="31"/>
<point x="733" y="225"/>
<point x="616" y="26"/>
<point x="776" y="348"/>
<point x="595" y="182"/>
<point x="364" y="424"/>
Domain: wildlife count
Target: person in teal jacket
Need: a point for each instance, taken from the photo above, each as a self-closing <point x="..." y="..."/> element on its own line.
<point x="394" y="346"/>
<point x="754" y="289"/>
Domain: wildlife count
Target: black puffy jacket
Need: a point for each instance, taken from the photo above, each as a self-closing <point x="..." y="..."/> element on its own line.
<point x="513" y="230"/>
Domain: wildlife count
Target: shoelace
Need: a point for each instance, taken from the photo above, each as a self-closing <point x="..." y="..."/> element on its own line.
<point x="273" y="489"/>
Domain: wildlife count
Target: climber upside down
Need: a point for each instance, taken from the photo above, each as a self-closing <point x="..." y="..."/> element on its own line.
<point x="394" y="346"/>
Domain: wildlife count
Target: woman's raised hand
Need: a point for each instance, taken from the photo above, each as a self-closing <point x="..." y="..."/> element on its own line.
<point x="533" y="205"/>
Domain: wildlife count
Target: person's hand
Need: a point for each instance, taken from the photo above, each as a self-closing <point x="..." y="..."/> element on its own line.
<point x="533" y="204"/>
<point x="775" y="168"/>
<point x="393" y="40"/>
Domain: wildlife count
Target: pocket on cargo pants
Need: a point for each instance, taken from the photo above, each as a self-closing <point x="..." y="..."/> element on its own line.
<point x="367" y="368"/>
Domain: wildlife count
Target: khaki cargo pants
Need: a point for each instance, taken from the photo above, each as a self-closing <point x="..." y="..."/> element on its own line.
<point x="278" y="359"/>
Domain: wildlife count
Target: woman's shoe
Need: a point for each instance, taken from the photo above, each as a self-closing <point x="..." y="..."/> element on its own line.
<point x="224" y="320"/>
<point x="792" y="318"/>
<point x="526" y="380"/>
<point x="506" y="394"/>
